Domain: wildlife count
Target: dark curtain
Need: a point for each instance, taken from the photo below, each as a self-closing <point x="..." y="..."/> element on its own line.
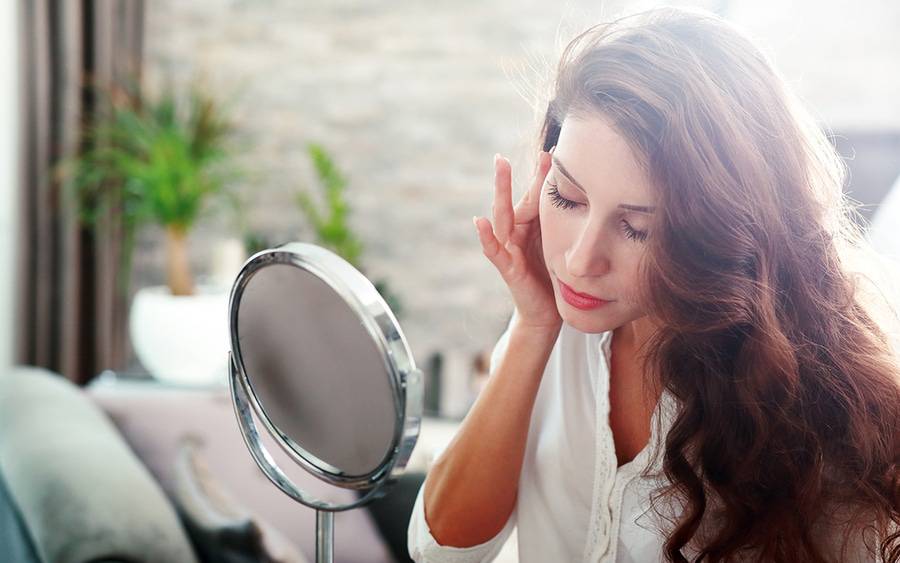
<point x="71" y="317"/>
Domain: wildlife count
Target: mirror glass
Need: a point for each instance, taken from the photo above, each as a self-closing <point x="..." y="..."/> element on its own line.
<point x="316" y="370"/>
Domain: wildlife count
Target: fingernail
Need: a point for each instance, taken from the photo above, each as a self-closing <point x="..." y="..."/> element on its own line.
<point x="553" y="148"/>
<point x="496" y="157"/>
<point x="475" y="221"/>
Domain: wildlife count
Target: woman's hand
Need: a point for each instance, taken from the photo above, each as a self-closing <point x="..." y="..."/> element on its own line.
<point x="513" y="245"/>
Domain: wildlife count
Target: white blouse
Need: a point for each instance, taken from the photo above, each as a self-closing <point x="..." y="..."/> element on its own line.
<point x="574" y="502"/>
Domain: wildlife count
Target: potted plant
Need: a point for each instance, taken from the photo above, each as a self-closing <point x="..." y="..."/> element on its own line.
<point x="158" y="161"/>
<point x="330" y="224"/>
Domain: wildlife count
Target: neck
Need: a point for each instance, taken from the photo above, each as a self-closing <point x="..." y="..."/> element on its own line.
<point x="633" y="335"/>
<point x="629" y="334"/>
<point x="628" y="340"/>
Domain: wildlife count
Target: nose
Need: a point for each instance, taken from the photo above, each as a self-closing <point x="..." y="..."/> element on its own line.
<point x="589" y="256"/>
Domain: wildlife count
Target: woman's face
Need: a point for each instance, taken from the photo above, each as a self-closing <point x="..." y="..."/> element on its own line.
<point x="593" y="226"/>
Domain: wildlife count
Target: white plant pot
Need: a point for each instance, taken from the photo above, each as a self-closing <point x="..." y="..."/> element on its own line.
<point x="182" y="339"/>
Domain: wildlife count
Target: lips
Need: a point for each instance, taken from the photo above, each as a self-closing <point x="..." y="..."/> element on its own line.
<point x="582" y="295"/>
<point x="579" y="300"/>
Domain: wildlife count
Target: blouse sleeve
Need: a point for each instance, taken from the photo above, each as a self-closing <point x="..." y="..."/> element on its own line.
<point x="863" y="548"/>
<point x="860" y="546"/>
<point x="422" y="546"/>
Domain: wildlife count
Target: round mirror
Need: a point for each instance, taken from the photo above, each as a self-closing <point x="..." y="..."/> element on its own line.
<point x="320" y="360"/>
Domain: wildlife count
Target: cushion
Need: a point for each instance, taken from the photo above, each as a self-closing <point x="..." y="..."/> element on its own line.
<point x="221" y="529"/>
<point x="15" y="543"/>
<point x="155" y="419"/>
<point x="81" y="491"/>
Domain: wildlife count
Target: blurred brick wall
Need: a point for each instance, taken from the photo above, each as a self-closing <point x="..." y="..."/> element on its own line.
<point x="413" y="99"/>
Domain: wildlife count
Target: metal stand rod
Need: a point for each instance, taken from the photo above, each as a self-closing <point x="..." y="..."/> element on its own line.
<point x="324" y="536"/>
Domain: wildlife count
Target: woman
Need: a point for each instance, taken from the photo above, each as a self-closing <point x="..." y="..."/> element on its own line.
<point x="694" y="370"/>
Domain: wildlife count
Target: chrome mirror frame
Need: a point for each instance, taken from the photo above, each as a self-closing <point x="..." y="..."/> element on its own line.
<point x="405" y="379"/>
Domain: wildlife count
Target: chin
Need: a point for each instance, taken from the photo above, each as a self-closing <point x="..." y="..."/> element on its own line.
<point x="590" y="322"/>
<point x="589" y="327"/>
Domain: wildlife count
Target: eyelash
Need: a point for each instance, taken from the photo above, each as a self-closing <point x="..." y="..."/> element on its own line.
<point x="563" y="203"/>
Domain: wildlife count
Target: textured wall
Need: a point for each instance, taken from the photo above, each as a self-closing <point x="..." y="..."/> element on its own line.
<point x="414" y="98"/>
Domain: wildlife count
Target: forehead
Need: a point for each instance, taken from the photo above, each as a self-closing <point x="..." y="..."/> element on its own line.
<point x="602" y="161"/>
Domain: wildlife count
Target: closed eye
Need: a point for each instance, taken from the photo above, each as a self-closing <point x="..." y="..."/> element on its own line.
<point x="559" y="201"/>
<point x="632" y="233"/>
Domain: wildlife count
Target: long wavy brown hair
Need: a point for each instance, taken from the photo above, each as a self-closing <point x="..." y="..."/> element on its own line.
<point x="787" y="384"/>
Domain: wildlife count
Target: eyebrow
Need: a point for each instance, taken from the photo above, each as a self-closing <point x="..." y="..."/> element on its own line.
<point x="627" y="206"/>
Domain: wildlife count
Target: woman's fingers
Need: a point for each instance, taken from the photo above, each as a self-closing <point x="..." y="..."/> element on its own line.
<point x="495" y="237"/>
<point x="527" y="208"/>
<point x="491" y="247"/>
<point x="502" y="208"/>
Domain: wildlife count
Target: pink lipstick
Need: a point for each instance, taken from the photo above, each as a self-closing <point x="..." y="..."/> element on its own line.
<point x="581" y="301"/>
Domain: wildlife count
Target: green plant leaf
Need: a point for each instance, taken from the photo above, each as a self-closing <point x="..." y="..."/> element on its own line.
<point x="157" y="160"/>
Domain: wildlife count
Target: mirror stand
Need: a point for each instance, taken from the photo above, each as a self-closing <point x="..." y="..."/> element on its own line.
<point x="324" y="510"/>
<point x="324" y="536"/>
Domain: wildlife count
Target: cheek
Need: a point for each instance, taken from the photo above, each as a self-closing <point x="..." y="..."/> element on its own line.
<point x="560" y="230"/>
<point x="552" y="229"/>
<point x="632" y="281"/>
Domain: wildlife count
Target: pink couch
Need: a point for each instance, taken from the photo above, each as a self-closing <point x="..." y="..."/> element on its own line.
<point x="155" y="419"/>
